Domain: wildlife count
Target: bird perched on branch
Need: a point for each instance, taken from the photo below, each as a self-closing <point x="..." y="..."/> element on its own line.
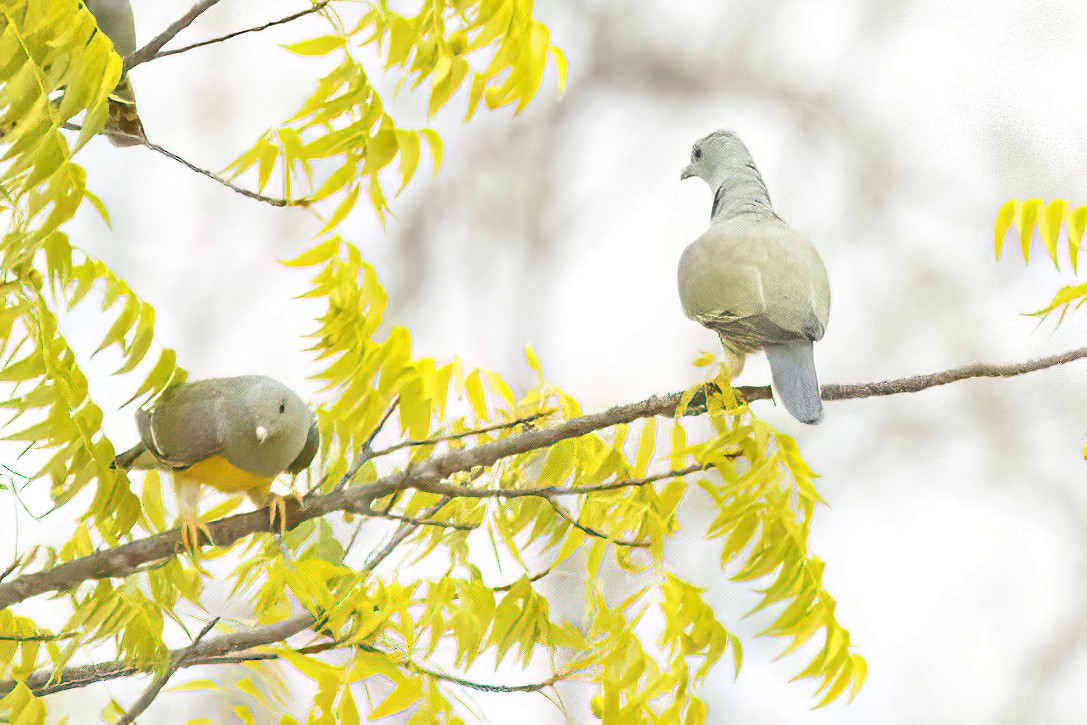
<point x="233" y="434"/>
<point x="752" y="279"/>
<point x="115" y="20"/>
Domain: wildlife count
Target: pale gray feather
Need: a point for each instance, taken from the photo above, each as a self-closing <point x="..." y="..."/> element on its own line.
<point x="751" y="278"/>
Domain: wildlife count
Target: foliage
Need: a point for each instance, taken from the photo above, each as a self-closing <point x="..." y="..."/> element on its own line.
<point x="1048" y="219"/>
<point x="342" y="137"/>
<point x="467" y="576"/>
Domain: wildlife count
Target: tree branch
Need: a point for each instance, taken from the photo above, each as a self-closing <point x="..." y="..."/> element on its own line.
<point x="954" y="375"/>
<point x="274" y="201"/>
<point x="526" y="420"/>
<point x="317" y="7"/>
<point x="591" y="531"/>
<point x="429" y="475"/>
<point x="369" y="511"/>
<point x="365" y="453"/>
<point x="149" y="51"/>
<point x="70" y="678"/>
<point x="178" y="661"/>
<point x="215" y="651"/>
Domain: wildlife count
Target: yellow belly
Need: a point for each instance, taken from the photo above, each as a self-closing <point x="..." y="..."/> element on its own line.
<point x="219" y="473"/>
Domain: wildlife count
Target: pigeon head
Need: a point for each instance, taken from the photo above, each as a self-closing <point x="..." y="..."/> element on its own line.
<point x="716" y="157"/>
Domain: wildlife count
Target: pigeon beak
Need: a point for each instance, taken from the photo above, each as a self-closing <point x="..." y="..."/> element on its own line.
<point x="686" y="173"/>
<point x="262" y="433"/>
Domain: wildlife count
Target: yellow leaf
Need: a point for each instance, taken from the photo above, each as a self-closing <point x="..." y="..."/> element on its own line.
<point x="534" y="363"/>
<point x="243" y="714"/>
<point x="1050" y="225"/>
<point x="153" y="507"/>
<point x="647" y="441"/>
<point x="434" y="141"/>
<point x="1077" y="221"/>
<point x="474" y="385"/>
<point x="1026" y="218"/>
<point x="1004" y="219"/>
<point x="575" y="537"/>
<point x="704" y="360"/>
<point x="561" y="67"/>
<point x="408" y="691"/>
<point x="317" y="46"/>
<point x="408" y="143"/>
<point x="319" y="254"/>
<point x="200" y="685"/>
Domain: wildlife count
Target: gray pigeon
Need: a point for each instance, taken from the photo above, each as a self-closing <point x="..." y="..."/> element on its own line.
<point x="752" y="279"/>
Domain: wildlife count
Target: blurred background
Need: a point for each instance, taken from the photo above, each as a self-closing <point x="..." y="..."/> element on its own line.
<point x="889" y="133"/>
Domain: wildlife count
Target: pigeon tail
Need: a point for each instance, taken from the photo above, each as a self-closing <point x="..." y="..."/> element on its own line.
<point x="792" y="366"/>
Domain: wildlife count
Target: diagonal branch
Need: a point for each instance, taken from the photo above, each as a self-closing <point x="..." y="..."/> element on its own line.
<point x="591" y="531"/>
<point x="317" y="7"/>
<point x="445" y="437"/>
<point x="149" y="51"/>
<point x="274" y="201"/>
<point x="178" y="660"/>
<point x="429" y="475"/>
<point x="42" y="683"/>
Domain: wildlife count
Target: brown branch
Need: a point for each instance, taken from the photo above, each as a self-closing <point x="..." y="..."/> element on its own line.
<point x="429" y="475"/>
<point x="74" y="677"/>
<point x="229" y="36"/>
<point x="954" y="375"/>
<point x="177" y="662"/>
<point x="149" y="51"/>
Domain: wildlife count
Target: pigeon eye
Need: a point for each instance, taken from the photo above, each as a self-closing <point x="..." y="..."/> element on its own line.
<point x="696" y="154"/>
<point x="282" y="407"/>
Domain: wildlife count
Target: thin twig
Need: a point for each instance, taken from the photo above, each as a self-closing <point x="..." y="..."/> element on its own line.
<point x="229" y="36"/>
<point x="365" y="453"/>
<point x="46" y="683"/>
<point x="484" y="687"/>
<point x="463" y="434"/>
<point x="591" y="531"/>
<point x="149" y="51"/>
<point x="454" y="491"/>
<point x="274" y="201"/>
<point x="159" y="682"/>
<point x="402" y="532"/>
<point x="511" y="585"/>
<point x="368" y="511"/>
<point x="38" y="637"/>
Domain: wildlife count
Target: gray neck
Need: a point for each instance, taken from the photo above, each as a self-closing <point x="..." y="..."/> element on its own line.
<point x="741" y="192"/>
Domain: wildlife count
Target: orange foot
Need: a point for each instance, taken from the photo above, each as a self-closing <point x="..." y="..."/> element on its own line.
<point x="191" y="528"/>
<point x="277" y="507"/>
